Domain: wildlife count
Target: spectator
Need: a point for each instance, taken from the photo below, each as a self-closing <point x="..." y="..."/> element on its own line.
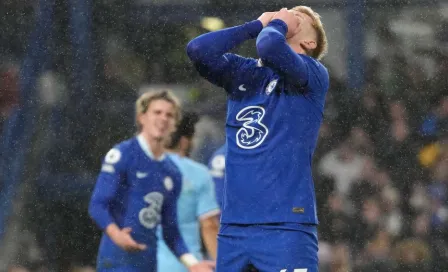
<point x="343" y="165"/>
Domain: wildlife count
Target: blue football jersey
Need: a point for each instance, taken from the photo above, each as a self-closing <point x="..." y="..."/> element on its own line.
<point x="135" y="190"/>
<point x="217" y="167"/>
<point x="196" y="201"/>
<point x="272" y="128"/>
<point x="274" y="112"/>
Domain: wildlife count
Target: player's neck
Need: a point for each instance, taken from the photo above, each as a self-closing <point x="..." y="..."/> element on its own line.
<point x="297" y="48"/>
<point x="294" y="43"/>
<point x="156" y="145"/>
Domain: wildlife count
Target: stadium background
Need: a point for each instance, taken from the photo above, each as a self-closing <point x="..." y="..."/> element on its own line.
<point x="70" y="71"/>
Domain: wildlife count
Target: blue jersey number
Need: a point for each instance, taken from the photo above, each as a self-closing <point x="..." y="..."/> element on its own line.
<point x="253" y="132"/>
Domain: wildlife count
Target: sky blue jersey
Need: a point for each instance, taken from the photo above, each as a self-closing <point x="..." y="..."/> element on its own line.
<point x="196" y="201"/>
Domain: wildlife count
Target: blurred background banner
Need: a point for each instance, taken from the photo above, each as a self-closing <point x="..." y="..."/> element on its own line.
<point x="70" y="71"/>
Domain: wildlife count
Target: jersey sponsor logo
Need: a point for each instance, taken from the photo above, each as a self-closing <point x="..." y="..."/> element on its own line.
<point x="271" y="86"/>
<point x="141" y="175"/>
<point x="150" y="216"/>
<point x="113" y="156"/>
<point x="242" y="88"/>
<point x="253" y="132"/>
<point x="168" y="183"/>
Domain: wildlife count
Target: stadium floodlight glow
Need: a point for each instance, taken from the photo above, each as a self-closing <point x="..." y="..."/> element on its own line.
<point x="212" y="23"/>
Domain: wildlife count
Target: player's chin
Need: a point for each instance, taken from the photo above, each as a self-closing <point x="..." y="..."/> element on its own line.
<point x="161" y="135"/>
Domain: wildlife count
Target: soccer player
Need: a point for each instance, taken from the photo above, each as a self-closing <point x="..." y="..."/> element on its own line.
<point x="275" y="108"/>
<point x="197" y="208"/>
<point x="138" y="188"/>
<point x="217" y="167"/>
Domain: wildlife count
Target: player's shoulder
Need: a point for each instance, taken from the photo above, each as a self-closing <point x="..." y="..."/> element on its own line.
<point x="319" y="75"/>
<point x="190" y="166"/>
<point x="121" y="150"/>
<point x="126" y="145"/>
<point x="198" y="167"/>
<point x="220" y="151"/>
<point x="219" y="154"/>
<point x="118" y="156"/>
<point x="315" y="63"/>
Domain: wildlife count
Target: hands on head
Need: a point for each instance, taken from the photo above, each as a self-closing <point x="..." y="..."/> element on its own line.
<point x="292" y="18"/>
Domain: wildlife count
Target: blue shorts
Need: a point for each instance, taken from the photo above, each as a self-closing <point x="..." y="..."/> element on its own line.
<point x="286" y="247"/>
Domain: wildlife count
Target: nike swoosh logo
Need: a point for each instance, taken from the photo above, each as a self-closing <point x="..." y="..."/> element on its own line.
<point x="241" y="88"/>
<point x="141" y="175"/>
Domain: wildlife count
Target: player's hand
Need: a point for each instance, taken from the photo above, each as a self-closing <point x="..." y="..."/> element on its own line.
<point x="124" y="240"/>
<point x="291" y="20"/>
<point x="266" y="17"/>
<point x="203" y="266"/>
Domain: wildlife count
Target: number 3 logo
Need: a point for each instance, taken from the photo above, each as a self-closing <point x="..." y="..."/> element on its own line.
<point x="253" y="132"/>
<point x="150" y="216"/>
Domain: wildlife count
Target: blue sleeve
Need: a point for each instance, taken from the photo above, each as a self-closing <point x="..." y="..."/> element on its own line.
<point x="208" y="51"/>
<point x="170" y="226"/>
<point x="217" y="170"/>
<point x="206" y="199"/>
<point x="274" y="52"/>
<point x="112" y="173"/>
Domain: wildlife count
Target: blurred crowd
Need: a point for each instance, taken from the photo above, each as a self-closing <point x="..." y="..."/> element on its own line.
<point x="381" y="176"/>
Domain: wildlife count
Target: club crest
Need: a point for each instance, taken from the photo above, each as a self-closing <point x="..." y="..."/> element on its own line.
<point x="271" y="86"/>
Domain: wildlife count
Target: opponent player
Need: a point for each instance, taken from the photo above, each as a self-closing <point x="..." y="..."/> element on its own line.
<point x="275" y="107"/>
<point x="138" y="188"/>
<point x="197" y="207"/>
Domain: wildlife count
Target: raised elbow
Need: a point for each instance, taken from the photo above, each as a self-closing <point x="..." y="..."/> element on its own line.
<point x="210" y="224"/>
<point x="268" y="43"/>
<point x="194" y="49"/>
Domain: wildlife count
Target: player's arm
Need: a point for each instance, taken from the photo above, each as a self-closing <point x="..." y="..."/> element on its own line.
<point x="173" y="238"/>
<point x="275" y="52"/>
<point x="112" y="173"/>
<point x="208" y="213"/>
<point x="208" y="51"/>
<point x="106" y="188"/>
<point x="170" y="228"/>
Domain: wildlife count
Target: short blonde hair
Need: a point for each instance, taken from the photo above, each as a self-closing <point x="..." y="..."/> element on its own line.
<point x="144" y="101"/>
<point x="322" y="43"/>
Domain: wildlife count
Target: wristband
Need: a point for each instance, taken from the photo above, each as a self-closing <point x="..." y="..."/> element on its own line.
<point x="188" y="259"/>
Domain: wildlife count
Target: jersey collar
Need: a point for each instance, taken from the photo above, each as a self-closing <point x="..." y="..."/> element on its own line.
<point x="145" y="147"/>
